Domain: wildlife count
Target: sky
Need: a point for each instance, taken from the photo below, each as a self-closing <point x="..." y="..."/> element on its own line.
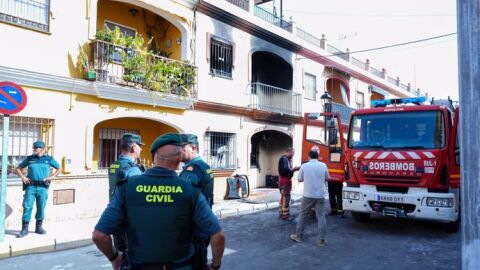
<point x="431" y="66"/>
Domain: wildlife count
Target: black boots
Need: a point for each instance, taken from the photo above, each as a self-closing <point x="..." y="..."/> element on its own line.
<point x="38" y="227"/>
<point x="24" y="230"/>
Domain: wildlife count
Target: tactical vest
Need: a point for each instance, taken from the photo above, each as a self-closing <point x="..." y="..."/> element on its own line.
<point x="160" y="219"/>
<point x="205" y="178"/>
<point x="116" y="173"/>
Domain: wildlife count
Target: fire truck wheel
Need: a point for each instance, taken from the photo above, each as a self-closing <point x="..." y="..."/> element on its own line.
<point x="360" y="217"/>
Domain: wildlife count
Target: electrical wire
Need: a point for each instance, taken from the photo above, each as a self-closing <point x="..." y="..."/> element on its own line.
<point x="369" y="15"/>
<point x="395" y="45"/>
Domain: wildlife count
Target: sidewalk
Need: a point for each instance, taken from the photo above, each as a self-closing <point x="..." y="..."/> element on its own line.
<point x="66" y="235"/>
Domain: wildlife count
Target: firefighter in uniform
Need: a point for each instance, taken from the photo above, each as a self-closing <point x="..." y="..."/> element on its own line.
<point x="36" y="184"/>
<point x="159" y="212"/>
<point x="124" y="167"/>
<point x="198" y="173"/>
<point x="335" y="187"/>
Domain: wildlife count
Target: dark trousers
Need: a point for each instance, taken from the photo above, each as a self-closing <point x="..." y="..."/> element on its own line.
<point x="201" y="251"/>
<point x="335" y="195"/>
<point x="285" y="187"/>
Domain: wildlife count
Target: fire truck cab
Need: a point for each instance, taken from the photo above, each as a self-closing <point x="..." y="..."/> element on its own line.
<point x="402" y="160"/>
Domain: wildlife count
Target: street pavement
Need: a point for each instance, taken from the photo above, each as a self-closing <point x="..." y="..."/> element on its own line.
<point x="77" y="233"/>
<point x="261" y="241"/>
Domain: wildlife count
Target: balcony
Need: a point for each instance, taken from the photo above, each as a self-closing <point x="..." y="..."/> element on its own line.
<point x="272" y="99"/>
<point x="252" y="7"/>
<point x="273" y="19"/>
<point x="243" y="4"/>
<point x="115" y="64"/>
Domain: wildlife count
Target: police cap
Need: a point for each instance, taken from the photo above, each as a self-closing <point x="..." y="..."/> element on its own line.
<point x="189" y="139"/>
<point x="165" y="139"/>
<point x="129" y="137"/>
<point x="39" y="144"/>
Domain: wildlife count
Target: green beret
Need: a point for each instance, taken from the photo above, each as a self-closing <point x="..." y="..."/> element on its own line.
<point x="189" y="139"/>
<point x="165" y="139"/>
<point x="129" y="137"/>
<point x="39" y="144"/>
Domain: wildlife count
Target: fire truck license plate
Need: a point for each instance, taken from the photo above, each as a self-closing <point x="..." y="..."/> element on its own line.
<point x="388" y="198"/>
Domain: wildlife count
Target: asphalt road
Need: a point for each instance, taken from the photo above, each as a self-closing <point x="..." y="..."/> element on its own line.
<point x="261" y="241"/>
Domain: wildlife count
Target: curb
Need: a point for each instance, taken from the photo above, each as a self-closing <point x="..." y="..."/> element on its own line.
<point x="9" y="250"/>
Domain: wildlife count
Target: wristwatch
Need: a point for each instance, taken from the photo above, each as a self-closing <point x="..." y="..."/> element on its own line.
<point x="114" y="256"/>
<point x="215" y="267"/>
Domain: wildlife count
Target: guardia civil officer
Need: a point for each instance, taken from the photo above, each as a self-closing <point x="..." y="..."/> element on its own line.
<point x="124" y="167"/>
<point x="198" y="173"/>
<point x="159" y="212"/>
<point x="36" y="184"/>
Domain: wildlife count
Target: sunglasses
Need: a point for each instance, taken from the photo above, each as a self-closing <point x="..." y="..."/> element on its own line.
<point x="36" y="147"/>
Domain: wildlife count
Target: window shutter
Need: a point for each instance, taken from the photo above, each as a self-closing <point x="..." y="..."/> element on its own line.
<point x="233" y="55"/>
<point x="208" y="52"/>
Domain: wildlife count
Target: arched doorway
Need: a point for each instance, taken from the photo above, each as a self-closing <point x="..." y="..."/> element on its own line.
<point x="107" y="134"/>
<point x="267" y="147"/>
<point x="338" y="90"/>
<point x="270" y="69"/>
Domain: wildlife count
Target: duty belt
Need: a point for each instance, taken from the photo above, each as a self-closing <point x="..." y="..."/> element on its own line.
<point x="39" y="183"/>
<point x="162" y="266"/>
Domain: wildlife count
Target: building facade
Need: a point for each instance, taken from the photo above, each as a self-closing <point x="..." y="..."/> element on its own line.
<point x="230" y="71"/>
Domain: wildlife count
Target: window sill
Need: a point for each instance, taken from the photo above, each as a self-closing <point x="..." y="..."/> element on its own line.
<point x="220" y="76"/>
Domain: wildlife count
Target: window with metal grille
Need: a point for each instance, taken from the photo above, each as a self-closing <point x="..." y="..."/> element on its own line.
<point x="109" y="145"/>
<point x="310" y="86"/>
<point x="220" y="150"/>
<point x="117" y="53"/>
<point x="126" y="31"/>
<point x="360" y="100"/>
<point x="26" y="13"/>
<point x="221" y="56"/>
<point x="22" y="133"/>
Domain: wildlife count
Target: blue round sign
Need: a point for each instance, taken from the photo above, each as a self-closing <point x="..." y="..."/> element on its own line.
<point x="12" y="98"/>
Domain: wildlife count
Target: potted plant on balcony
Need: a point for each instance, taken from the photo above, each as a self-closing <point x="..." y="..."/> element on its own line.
<point x="83" y="64"/>
<point x="134" y="59"/>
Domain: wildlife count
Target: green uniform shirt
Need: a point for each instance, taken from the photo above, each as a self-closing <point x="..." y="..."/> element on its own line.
<point x="39" y="167"/>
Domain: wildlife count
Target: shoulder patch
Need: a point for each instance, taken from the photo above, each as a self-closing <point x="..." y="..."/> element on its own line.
<point x="189" y="168"/>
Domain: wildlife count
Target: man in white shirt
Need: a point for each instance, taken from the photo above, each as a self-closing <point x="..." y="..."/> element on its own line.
<point x="314" y="174"/>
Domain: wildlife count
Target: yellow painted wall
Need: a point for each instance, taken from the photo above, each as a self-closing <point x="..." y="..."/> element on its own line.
<point x="149" y="130"/>
<point x="118" y="12"/>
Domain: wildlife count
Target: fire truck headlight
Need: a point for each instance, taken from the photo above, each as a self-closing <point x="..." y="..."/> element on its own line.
<point x="351" y="195"/>
<point x="439" y="202"/>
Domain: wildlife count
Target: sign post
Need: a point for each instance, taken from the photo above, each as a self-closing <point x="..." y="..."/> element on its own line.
<point x="12" y="100"/>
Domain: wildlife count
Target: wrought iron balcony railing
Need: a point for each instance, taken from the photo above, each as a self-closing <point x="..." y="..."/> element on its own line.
<point x="244" y="4"/>
<point x="273" y="19"/>
<point x="273" y="99"/>
<point x="126" y="66"/>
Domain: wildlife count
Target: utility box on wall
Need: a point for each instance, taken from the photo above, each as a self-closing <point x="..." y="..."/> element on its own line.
<point x="63" y="196"/>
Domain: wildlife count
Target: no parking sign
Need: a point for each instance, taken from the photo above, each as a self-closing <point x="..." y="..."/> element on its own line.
<point x="12" y="100"/>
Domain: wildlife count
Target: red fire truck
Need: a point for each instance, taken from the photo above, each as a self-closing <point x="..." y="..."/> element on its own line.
<point x="402" y="160"/>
